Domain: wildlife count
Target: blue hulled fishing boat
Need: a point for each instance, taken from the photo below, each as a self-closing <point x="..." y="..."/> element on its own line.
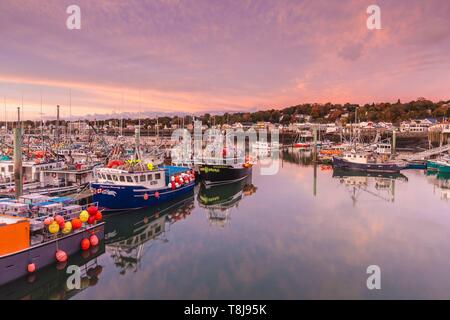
<point x="125" y="187"/>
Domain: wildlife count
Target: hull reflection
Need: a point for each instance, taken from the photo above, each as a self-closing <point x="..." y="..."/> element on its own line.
<point x="380" y="185"/>
<point x="218" y="200"/>
<point x="51" y="282"/>
<point x="128" y="236"/>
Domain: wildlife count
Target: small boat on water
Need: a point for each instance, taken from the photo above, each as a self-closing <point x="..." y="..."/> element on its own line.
<point x="365" y="161"/>
<point x="37" y="231"/>
<point x="443" y="166"/>
<point x="417" y="164"/>
<point x="131" y="185"/>
<point x="302" y="145"/>
<point x="433" y="165"/>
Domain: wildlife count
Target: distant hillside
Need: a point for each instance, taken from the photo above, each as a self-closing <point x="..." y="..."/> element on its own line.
<point x="320" y="113"/>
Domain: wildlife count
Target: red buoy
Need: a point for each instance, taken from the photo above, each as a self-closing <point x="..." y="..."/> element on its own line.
<point x="92" y="210"/>
<point x="61" y="256"/>
<point x="93" y="240"/>
<point x="31" y="267"/>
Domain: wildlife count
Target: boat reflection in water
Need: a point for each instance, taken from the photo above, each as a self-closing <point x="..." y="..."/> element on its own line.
<point x="51" y="283"/>
<point x="442" y="182"/>
<point x="129" y="236"/>
<point x="378" y="185"/>
<point x="218" y="200"/>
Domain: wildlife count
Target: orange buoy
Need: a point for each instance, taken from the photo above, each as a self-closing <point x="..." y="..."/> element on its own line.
<point x="76" y="223"/>
<point x="85" y="244"/>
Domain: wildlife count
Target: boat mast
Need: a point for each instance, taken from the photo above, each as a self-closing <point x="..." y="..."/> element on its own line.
<point x="42" y="126"/>
<point x="6" y="120"/>
<point x="18" y="157"/>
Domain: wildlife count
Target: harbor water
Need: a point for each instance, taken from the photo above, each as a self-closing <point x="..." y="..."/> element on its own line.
<point x="306" y="232"/>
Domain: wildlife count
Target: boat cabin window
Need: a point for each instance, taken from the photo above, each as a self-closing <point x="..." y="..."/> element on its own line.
<point x="122" y="178"/>
<point x="157" y="176"/>
<point x="142" y="178"/>
<point x="109" y="177"/>
<point x="129" y="179"/>
<point x="115" y="178"/>
<point x="149" y="177"/>
<point x="136" y="178"/>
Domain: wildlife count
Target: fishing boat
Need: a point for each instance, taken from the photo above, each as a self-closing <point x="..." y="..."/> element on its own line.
<point x="130" y="185"/>
<point x="365" y="161"/>
<point x="215" y="174"/>
<point x="37" y="231"/>
<point x="262" y="145"/>
<point x="433" y="165"/>
<point x="302" y="145"/>
<point x="443" y="166"/>
<point x="417" y="164"/>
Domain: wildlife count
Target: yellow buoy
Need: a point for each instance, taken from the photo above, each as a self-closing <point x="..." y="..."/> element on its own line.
<point x="53" y="228"/>
<point x="84" y="216"/>
<point x="67" y="228"/>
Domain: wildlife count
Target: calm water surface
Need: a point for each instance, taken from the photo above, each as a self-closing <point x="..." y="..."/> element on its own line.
<point x="286" y="236"/>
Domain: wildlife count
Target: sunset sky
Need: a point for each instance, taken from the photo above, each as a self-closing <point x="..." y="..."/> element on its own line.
<point x="215" y="56"/>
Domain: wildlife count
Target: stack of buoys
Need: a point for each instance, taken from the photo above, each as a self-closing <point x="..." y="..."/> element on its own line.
<point x="115" y="163"/>
<point x="181" y="179"/>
